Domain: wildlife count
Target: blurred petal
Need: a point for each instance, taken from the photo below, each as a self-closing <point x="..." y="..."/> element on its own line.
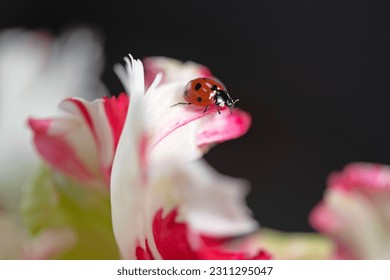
<point x="82" y="142"/>
<point x="355" y="212"/>
<point x="173" y="70"/>
<point x="36" y="73"/>
<point x="54" y="147"/>
<point x="49" y="244"/>
<point x="12" y="237"/>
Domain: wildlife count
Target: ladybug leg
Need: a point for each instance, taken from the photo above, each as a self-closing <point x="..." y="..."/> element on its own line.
<point x="217" y="104"/>
<point x="181" y="103"/>
<point x="205" y="109"/>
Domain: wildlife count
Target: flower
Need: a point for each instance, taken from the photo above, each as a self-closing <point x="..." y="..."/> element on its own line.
<point x="82" y="141"/>
<point x="183" y="132"/>
<point x="355" y="212"/>
<point x="36" y="73"/>
<point x="166" y="208"/>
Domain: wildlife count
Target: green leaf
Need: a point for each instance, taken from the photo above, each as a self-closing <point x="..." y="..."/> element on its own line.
<point x="53" y="201"/>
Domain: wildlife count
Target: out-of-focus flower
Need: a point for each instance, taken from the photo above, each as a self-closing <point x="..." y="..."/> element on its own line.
<point x="169" y="209"/>
<point x="355" y="212"/>
<point x="36" y="73"/>
<point x="82" y="142"/>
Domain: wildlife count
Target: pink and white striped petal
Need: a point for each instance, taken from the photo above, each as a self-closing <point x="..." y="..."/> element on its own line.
<point x="50" y="140"/>
<point x="355" y="212"/>
<point x="81" y="142"/>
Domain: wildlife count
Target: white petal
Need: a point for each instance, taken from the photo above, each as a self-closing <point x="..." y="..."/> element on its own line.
<point x="126" y="177"/>
<point x="212" y="204"/>
<point x="174" y="70"/>
<point x="131" y="77"/>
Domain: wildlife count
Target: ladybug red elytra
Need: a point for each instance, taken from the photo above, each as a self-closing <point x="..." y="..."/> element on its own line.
<point x="205" y="92"/>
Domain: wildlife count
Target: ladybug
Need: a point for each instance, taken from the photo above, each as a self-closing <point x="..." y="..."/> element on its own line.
<point x="205" y="92"/>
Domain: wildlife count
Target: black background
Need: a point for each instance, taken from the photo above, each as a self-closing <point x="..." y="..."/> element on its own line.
<point x="313" y="74"/>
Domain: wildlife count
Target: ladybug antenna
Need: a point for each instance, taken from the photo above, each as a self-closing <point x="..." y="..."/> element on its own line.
<point x="231" y="108"/>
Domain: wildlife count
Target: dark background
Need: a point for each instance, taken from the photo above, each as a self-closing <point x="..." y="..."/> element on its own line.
<point x="313" y="74"/>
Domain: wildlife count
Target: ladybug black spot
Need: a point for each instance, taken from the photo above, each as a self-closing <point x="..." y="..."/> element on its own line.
<point x="198" y="86"/>
<point x="214" y="87"/>
<point x="199" y="99"/>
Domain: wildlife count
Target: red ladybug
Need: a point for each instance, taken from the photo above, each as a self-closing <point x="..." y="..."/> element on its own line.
<point x="205" y="92"/>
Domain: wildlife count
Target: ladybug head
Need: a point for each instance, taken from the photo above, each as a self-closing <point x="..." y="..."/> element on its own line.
<point x="223" y="98"/>
<point x="230" y="103"/>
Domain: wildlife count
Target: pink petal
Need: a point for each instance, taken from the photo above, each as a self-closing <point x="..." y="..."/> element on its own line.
<point x="144" y="254"/>
<point x="220" y="128"/>
<point x="116" y="111"/>
<point x="93" y="115"/>
<point x="171" y="238"/>
<point x="355" y="212"/>
<point x="91" y="130"/>
<point x="174" y="241"/>
<point x="356" y="175"/>
<point x="322" y="219"/>
<point x="57" y="151"/>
